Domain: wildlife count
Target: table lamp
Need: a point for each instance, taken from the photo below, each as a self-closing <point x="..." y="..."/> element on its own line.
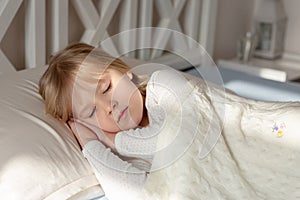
<point x="269" y="24"/>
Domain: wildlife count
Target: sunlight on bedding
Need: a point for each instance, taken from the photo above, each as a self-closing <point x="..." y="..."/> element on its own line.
<point x="259" y="91"/>
<point x="272" y="74"/>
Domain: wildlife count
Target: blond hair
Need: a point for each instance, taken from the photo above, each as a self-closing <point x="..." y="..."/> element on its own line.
<point x="55" y="86"/>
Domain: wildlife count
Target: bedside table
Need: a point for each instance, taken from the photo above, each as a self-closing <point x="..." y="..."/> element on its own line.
<point x="279" y="70"/>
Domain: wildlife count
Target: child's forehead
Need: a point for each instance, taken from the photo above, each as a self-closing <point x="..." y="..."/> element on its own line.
<point x="92" y="71"/>
<point x="92" y="80"/>
<point x="94" y="67"/>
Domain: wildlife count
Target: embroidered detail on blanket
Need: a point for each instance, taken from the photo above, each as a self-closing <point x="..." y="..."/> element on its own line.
<point x="278" y="128"/>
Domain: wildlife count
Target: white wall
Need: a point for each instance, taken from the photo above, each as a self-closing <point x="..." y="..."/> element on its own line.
<point x="292" y="40"/>
<point x="234" y="20"/>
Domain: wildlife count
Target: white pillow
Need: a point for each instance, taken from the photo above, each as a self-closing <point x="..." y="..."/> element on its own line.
<point x="39" y="157"/>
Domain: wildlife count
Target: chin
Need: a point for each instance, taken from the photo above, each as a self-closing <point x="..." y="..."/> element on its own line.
<point x="135" y="118"/>
<point x="132" y="123"/>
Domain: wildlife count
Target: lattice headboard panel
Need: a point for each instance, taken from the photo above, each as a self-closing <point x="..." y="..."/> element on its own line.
<point x="104" y="18"/>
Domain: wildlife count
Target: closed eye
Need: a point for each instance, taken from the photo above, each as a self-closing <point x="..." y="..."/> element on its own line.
<point x="93" y="111"/>
<point x="107" y="89"/>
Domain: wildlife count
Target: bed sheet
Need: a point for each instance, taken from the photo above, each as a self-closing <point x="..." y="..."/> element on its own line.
<point x="254" y="87"/>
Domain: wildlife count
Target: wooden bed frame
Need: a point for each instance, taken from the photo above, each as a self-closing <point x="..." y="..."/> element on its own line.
<point x="103" y="18"/>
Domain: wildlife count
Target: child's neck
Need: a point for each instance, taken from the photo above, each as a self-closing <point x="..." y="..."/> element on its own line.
<point x="144" y="122"/>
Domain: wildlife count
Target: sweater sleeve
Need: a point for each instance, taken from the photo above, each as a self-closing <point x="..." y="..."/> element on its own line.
<point x="118" y="178"/>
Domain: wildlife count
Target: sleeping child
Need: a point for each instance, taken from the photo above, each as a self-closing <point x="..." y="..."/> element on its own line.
<point x="166" y="136"/>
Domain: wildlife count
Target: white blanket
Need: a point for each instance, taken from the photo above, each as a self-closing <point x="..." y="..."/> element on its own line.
<point x="257" y="155"/>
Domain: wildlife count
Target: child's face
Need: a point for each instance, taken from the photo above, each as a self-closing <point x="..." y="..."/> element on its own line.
<point x="117" y="105"/>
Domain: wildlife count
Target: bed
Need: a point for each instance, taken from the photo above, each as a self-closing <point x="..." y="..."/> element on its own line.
<point x="40" y="158"/>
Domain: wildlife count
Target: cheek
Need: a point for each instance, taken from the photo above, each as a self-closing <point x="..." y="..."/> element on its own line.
<point x="107" y="124"/>
<point x="136" y="107"/>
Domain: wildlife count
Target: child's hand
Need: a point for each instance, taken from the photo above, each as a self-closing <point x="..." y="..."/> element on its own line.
<point x="82" y="133"/>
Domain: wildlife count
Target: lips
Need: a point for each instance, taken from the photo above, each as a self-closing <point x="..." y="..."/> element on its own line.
<point x="122" y="114"/>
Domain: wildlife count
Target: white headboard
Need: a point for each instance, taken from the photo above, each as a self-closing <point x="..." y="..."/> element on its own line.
<point x="102" y="19"/>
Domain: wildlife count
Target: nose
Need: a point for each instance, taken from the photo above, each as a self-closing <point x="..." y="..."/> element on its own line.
<point x="111" y="106"/>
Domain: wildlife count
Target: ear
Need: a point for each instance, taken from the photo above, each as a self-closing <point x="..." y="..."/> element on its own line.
<point x="129" y="74"/>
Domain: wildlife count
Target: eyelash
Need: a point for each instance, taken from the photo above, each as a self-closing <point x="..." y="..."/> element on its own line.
<point x="93" y="111"/>
<point x="94" y="108"/>
<point x="107" y="89"/>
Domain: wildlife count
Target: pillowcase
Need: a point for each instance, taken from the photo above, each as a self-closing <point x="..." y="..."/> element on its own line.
<point x="39" y="156"/>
